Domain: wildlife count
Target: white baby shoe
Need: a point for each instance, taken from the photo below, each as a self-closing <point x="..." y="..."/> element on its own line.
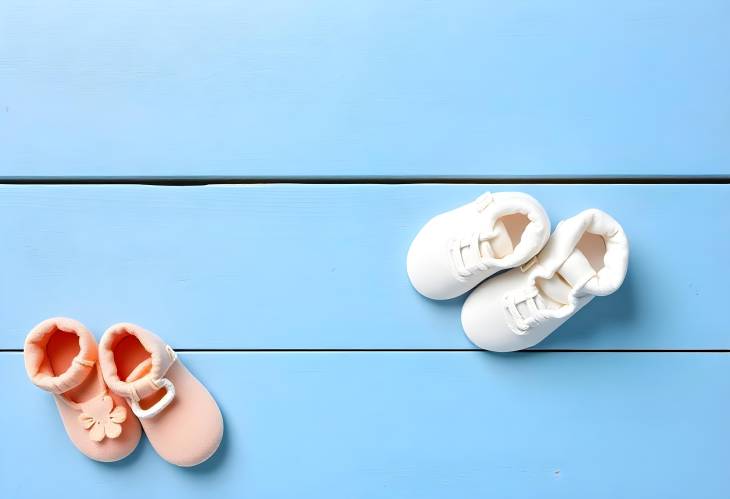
<point x="458" y="249"/>
<point x="586" y="256"/>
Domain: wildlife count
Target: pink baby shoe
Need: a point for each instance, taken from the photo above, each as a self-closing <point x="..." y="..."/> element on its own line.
<point x="61" y="358"/>
<point x="179" y="416"/>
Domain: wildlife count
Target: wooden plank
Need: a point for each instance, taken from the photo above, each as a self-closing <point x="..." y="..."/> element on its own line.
<point x="307" y="266"/>
<point x="421" y="425"/>
<point x="374" y="88"/>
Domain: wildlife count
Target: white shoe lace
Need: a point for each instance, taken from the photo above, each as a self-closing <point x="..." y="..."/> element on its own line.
<point x="471" y="245"/>
<point x="533" y="317"/>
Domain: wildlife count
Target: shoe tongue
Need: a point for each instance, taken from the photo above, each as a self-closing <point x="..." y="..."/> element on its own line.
<point x="576" y="270"/>
<point x="574" y="273"/>
<point x="140" y="371"/>
<point x="497" y="246"/>
<point x="501" y="242"/>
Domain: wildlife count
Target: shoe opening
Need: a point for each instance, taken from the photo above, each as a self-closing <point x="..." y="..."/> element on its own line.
<point x="133" y="362"/>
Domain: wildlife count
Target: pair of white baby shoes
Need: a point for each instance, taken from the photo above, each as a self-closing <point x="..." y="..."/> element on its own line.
<point x="552" y="276"/>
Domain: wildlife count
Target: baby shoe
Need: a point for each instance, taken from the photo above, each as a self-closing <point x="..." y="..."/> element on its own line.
<point x="61" y="357"/>
<point x="458" y="249"/>
<point x="181" y="419"/>
<point x="586" y="256"/>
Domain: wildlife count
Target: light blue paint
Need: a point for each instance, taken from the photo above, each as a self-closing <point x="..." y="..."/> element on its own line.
<point x="346" y="89"/>
<point x="374" y="88"/>
<point x="324" y="266"/>
<point x="412" y="425"/>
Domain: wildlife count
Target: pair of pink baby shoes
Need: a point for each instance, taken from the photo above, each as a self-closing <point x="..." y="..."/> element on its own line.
<point x="95" y="386"/>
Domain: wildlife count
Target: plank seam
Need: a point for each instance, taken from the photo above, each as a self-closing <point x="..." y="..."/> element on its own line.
<point x="203" y="181"/>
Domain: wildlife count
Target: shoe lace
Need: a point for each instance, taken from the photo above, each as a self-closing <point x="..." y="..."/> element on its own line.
<point x="458" y="248"/>
<point x="471" y="245"/>
<point x="529" y="318"/>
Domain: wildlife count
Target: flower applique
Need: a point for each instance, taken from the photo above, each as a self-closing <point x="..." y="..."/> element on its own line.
<point x="102" y="419"/>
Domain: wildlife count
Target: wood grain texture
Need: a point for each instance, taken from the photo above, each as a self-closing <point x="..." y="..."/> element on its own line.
<point x="373" y="88"/>
<point x="324" y="266"/>
<point x="413" y="425"/>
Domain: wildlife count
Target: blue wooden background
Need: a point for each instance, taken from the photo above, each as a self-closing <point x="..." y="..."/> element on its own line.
<point x="364" y="88"/>
<point x="291" y="301"/>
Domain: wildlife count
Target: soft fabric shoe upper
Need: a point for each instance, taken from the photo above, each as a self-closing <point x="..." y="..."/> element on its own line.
<point x="61" y="358"/>
<point x="458" y="249"/>
<point x="180" y="417"/>
<point x="586" y="256"/>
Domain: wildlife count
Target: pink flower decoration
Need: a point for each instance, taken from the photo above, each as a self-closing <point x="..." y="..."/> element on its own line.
<point x="102" y="419"/>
